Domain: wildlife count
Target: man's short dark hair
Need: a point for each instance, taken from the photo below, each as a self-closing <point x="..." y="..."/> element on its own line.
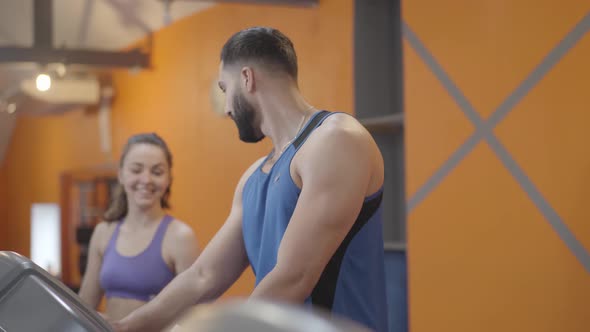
<point x="265" y="45"/>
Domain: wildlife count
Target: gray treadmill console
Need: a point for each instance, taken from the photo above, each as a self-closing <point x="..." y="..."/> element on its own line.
<point x="32" y="300"/>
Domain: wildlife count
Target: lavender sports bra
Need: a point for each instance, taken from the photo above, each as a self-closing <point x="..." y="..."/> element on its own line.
<point x="139" y="277"/>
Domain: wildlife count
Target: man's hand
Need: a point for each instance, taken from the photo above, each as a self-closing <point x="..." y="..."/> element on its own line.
<point x="118" y="327"/>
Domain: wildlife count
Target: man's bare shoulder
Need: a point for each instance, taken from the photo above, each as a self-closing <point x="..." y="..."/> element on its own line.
<point x="342" y="140"/>
<point x="340" y="128"/>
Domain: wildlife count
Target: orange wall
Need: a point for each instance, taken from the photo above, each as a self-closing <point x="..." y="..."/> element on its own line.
<point x="482" y="257"/>
<point x="40" y="150"/>
<point x="173" y="99"/>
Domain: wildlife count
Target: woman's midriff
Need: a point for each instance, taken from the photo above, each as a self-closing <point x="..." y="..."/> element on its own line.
<point x="117" y="308"/>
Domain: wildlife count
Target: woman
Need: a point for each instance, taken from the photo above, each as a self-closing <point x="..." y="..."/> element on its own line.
<point x="139" y="248"/>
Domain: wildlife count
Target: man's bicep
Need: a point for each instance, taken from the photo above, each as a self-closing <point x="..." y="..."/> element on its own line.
<point x="338" y="170"/>
<point x="334" y="183"/>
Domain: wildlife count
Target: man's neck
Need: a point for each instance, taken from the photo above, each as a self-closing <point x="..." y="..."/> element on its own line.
<point x="284" y="115"/>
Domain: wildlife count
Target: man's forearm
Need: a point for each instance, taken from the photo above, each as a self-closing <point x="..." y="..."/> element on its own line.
<point x="282" y="287"/>
<point x="187" y="289"/>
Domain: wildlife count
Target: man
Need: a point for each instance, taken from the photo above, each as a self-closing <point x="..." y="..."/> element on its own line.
<point x="306" y="218"/>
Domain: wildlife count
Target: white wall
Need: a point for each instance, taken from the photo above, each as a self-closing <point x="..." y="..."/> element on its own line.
<point x="46" y="237"/>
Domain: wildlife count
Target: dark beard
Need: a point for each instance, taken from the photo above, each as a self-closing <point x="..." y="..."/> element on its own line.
<point x="243" y="116"/>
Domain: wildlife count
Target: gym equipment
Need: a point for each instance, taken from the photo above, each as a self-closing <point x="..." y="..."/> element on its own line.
<point x="33" y="300"/>
<point x="260" y="316"/>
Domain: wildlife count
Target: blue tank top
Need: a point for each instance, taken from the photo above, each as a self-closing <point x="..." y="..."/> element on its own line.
<point x="353" y="283"/>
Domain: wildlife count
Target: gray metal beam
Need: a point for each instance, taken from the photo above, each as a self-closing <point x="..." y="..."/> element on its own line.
<point x="85" y="22"/>
<point x="43" y="24"/>
<point x="129" y="14"/>
<point x="130" y="59"/>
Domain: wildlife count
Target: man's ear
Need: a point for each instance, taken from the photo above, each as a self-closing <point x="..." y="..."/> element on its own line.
<point x="248" y="79"/>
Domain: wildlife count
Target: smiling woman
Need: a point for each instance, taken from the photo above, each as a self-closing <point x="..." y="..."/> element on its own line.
<point x="139" y="248"/>
<point x="144" y="155"/>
